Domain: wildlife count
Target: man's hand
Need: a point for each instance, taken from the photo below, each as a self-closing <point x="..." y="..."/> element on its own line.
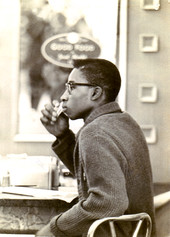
<point x="45" y="232"/>
<point x="54" y="125"/>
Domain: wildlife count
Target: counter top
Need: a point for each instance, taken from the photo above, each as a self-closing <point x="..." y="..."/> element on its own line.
<point x="9" y="195"/>
<point x="26" y="210"/>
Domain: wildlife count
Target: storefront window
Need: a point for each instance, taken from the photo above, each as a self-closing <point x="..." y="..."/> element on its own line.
<point x="41" y="81"/>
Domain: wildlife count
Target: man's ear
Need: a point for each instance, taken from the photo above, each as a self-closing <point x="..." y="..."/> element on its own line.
<point x="96" y="92"/>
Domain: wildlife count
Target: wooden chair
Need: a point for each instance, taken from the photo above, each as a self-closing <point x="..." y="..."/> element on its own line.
<point x="138" y="218"/>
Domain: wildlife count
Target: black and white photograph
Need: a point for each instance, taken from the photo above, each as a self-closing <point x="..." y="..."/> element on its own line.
<point x="85" y="118"/>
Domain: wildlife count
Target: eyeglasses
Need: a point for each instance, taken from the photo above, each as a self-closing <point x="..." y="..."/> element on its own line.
<point x="71" y="85"/>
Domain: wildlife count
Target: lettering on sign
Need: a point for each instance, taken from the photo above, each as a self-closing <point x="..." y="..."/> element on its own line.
<point x="61" y="49"/>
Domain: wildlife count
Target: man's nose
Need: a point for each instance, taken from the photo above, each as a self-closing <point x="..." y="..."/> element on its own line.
<point x="64" y="96"/>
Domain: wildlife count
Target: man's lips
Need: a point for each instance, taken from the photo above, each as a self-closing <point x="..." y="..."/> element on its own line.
<point x="64" y="108"/>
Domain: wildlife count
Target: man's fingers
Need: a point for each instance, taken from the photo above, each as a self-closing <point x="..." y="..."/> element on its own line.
<point x="50" y="113"/>
<point x="44" y="120"/>
<point x="49" y="108"/>
<point x="46" y="114"/>
<point x="55" y="103"/>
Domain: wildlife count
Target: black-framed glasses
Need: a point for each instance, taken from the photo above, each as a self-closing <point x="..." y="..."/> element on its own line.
<point x="71" y="85"/>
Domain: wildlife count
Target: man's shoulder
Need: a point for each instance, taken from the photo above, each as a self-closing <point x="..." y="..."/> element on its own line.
<point x="114" y="125"/>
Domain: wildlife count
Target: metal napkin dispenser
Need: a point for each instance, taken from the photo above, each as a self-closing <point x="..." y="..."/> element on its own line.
<point x="33" y="171"/>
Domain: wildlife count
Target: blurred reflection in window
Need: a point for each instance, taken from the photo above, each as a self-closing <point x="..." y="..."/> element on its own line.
<point x="40" y="81"/>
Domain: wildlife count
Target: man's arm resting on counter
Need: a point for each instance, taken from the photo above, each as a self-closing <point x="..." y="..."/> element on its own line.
<point x="45" y="231"/>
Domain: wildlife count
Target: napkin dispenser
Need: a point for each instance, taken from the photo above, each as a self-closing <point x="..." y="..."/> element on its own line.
<point x="34" y="171"/>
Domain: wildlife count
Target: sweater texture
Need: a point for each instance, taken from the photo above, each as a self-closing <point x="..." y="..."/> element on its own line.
<point x="110" y="159"/>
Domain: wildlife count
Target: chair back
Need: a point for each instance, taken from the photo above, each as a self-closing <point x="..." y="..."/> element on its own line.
<point x="139" y="218"/>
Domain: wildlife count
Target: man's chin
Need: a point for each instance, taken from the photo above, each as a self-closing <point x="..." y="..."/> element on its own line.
<point x="69" y="116"/>
<point x="72" y="117"/>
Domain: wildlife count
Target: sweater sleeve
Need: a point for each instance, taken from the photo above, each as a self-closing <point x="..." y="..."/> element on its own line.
<point x="64" y="147"/>
<point x="104" y="167"/>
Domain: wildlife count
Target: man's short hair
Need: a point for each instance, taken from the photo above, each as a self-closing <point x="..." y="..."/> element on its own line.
<point x="102" y="73"/>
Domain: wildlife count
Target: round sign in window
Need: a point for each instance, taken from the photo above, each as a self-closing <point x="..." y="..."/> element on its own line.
<point x="61" y="49"/>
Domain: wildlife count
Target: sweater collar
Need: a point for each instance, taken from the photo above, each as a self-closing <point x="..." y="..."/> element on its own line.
<point x="108" y="108"/>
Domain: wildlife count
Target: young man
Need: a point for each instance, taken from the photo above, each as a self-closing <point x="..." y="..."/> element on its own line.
<point x="108" y="156"/>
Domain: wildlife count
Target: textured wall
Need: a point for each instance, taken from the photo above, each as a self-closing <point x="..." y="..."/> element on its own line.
<point x="151" y="68"/>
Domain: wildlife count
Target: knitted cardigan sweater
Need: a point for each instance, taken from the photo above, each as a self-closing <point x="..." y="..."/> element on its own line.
<point x="110" y="160"/>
